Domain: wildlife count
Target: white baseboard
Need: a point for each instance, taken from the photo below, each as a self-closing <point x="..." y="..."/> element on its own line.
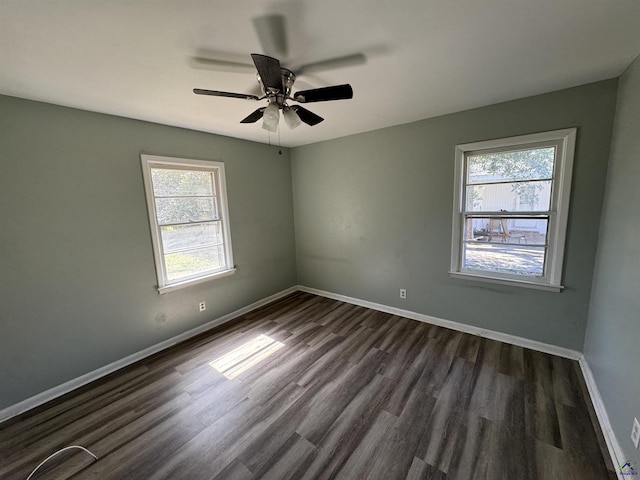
<point x="615" y="450"/>
<point x="67" y="387"/>
<point x="461" y="327"/>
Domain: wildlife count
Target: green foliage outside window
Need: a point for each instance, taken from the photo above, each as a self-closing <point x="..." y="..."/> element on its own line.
<point x="521" y="165"/>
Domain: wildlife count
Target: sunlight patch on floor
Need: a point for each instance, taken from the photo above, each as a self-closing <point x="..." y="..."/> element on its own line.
<point x="246" y="356"/>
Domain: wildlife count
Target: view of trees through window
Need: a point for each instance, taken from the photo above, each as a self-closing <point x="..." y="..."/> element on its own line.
<point x="187" y="213"/>
<point x="507" y="199"/>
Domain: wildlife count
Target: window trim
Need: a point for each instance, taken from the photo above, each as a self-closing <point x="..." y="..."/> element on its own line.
<point x="150" y="161"/>
<point x="558" y="210"/>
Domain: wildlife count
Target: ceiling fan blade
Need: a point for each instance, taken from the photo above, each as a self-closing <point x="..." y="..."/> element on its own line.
<point x="209" y="59"/>
<point x="217" y="93"/>
<point x="254" y="117"/>
<point x="332" y="63"/>
<point x="272" y="34"/>
<point x="336" y="92"/>
<point x="306" y="116"/>
<point x="222" y="65"/>
<point x="269" y="71"/>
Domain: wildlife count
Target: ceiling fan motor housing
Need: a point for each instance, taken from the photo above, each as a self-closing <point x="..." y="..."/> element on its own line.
<point x="279" y="98"/>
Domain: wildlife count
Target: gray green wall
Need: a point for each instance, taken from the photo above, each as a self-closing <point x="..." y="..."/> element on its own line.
<point x="77" y="272"/>
<point x="612" y="345"/>
<point x="373" y="215"/>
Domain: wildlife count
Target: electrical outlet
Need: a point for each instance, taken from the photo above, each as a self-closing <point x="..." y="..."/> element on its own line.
<point x="202" y="306"/>
<point x="635" y="433"/>
<point x="403" y="293"/>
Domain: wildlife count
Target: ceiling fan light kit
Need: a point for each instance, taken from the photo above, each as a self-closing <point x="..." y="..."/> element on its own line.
<point x="291" y="118"/>
<point x="270" y="118"/>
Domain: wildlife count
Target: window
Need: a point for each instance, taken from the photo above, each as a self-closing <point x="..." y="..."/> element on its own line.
<point x="510" y="209"/>
<point x="189" y="220"/>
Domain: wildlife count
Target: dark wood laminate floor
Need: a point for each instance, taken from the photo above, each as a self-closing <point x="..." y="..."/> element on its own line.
<point x="312" y="388"/>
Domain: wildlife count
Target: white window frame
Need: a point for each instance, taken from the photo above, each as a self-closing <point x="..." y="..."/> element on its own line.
<point x="564" y="141"/>
<point x="217" y="168"/>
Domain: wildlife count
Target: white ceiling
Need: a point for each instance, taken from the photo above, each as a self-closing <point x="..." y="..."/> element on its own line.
<point x="425" y="58"/>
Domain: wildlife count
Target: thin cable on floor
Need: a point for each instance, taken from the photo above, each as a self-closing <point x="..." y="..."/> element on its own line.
<point x="56" y="453"/>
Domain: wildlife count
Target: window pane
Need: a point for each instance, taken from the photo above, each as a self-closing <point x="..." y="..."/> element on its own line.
<point x="511" y="197"/>
<point x="532" y="164"/>
<point x="167" y="182"/>
<point x="194" y="262"/>
<point x="186" y="209"/>
<point x="521" y="231"/>
<point x="527" y="261"/>
<point x="181" y="237"/>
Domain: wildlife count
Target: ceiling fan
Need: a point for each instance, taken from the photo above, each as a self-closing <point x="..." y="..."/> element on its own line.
<point x="276" y="82"/>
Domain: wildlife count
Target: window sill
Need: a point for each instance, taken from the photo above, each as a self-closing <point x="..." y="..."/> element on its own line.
<point x="505" y="281"/>
<point x="195" y="281"/>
